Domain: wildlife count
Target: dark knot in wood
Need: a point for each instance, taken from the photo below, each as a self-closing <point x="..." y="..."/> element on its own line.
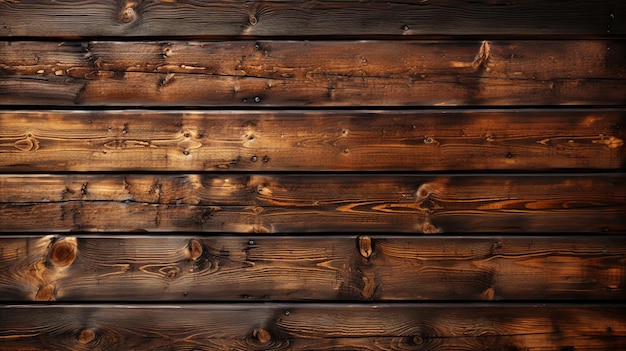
<point x="262" y="335"/>
<point x="62" y="253"/>
<point x="86" y="336"/>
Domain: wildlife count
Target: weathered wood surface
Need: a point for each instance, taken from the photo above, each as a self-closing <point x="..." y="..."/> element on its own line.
<point x="314" y="327"/>
<point x="314" y="203"/>
<point x="378" y="267"/>
<point x="412" y="140"/>
<point x="313" y="73"/>
<point x="310" y="18"/>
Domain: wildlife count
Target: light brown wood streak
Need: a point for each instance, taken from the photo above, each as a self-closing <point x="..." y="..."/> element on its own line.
<point x="317" y="140"/>
<point x="310" y="18"/>
<point x="263" y="268"/>
<point x="314" y="327"/>
<point x="288" y="203"/>
<point x="312" y="73"/>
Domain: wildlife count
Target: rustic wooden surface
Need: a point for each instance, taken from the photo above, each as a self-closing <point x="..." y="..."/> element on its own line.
<point x="224" y="125"/>
<point x="313" y="73"/>
<point x="314" y="327"/>
<point x="41" y="18"/>
<point x="339" y="203"/>
<point x="315" y="140"/>
<point x="322" y="268"/>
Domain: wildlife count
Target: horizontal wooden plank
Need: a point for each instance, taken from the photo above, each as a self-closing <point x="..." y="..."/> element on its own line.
<point x="149" y="268"/>
<point x="313" y="73"/>
<point x="314" y="327"/>
<point x="306" y="18"/>
<point x="311" y="203"/>
<point x="413" y="140"/>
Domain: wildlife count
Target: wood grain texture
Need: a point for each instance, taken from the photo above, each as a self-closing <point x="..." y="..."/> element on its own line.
<point x="310" y="18"/>
<point x="314" y="203"/>
<point x="313" y="73"/>
<point x="314" y="327"/>
<point x="318" y="140"/>
<point x="324" y="268"/>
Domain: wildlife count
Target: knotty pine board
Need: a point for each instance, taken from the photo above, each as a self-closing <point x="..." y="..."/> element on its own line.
<point x="288" y="203"/>
<point x="129" y="267"/>
<point x="313" y="140"/>
<point x="38" y="18"/>
<point x="313" y="73"/>
<point x="253" y="326"/>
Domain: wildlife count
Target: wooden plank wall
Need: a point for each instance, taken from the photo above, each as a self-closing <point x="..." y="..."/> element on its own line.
<point x="312" y="175"/>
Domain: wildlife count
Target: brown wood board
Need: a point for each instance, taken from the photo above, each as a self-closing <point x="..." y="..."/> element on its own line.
<point x="40" y="18"/>
<point x="283" y="203"/>
<point x="311" y="268"/>
<point x="314" y="327"/>
<point x="317" y="140"/>
<point x="313" y="73"/>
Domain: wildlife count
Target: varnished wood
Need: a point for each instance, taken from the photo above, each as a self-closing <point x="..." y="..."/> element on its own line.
<point x="313" y="73"/>
<point x="314" y="203"/>
<point x="310" y="18"/>
<point x="413" y="140"/>
<point x="321" y="268"/>
<point x="530" y="327"/>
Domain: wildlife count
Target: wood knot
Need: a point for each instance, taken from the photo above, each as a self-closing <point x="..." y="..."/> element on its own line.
<point x="488" y="294"/>
<point x="369" y="287"/>
<point x="429" y="228"/>
<point x="610" y="141"/>
<point x="431" y="140"/>
<point x="365" y="246"/>
<point x="45" y="293"/>
<point x="63" y="253"/>
<point x="422" y="192"/>
<point x="86" y="336"/>
<point x="128" y="14"/>
<point x="30" y="143"/>
<point x="263" y="190"/>
<point x="260" y="229"/>
<point x="195" y="249"/>
<point x="253" y="20"/>
<point x="484" y="53"/>
<point x="262" y="335"/>
<point x="171" y="272"/>
<point x="416" y="340"/>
